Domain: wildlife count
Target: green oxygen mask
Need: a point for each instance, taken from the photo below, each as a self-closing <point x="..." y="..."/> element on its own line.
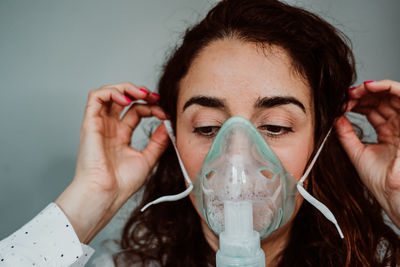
<point x="244" y="192"/>
<point x="241" y="167"/>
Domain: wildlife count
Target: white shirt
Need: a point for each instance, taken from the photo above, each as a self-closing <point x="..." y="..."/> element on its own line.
<point x="47" y="240"/>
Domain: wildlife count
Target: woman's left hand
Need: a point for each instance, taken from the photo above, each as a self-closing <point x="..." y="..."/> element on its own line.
<point x="377" y="164"/>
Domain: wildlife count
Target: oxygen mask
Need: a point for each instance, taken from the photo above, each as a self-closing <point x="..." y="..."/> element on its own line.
<point x="244" y="192"/>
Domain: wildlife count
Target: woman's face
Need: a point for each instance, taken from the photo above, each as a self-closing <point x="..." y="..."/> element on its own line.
<point x="235" y="78"/>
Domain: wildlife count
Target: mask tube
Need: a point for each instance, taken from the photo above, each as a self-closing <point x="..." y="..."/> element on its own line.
<point x="239" y="244"/>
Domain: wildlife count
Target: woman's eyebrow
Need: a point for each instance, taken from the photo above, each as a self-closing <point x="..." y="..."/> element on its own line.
<point x="265" y="102"/>
<point x="205" y="101"/>
<point x="268" y="102"/>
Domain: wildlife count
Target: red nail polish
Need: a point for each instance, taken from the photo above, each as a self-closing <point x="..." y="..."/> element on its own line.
<point x="368" y="81"/>
<point x="352" y="88"/>
<point x="144" y="91"/>
<point x="128" y="99"/>
<point x="156" y="95"/>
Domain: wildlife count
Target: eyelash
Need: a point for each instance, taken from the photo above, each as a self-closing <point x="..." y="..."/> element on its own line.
<point x="283" y="130"/>
<point x="212" y="130"/>
<point x="202" y="131"/>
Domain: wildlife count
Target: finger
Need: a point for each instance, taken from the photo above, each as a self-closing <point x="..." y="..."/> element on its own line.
<point x="116" y="109"/>
<point x="394" y="101"/>
<point x="132" y="117"/>
<point x="374" y="87"/>
<point x="388" y="133"/>
<point x="386" y="110"/>
<point x="138" y="92"/>
<point x="152" y="97"/>
<point x="100" y="101"/>
<point x="380" y="102"/>
<point x="376" y="119"/>
<point x="390" y="86"/>
<point x="357" y="92"/>
<point x="131" y="91"/>
<point x="349" y="140"/>
<point x="157" y="145"/>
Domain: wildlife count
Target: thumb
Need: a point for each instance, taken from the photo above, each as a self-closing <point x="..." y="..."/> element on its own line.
<point x="157" y="145"/>
<point x="349" y="140"/>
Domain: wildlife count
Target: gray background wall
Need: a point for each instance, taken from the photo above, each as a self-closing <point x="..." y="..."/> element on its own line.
<point x="53" y="52"/>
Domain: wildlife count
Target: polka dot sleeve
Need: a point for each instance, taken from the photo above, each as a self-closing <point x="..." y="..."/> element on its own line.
<point x="47" y="240"/>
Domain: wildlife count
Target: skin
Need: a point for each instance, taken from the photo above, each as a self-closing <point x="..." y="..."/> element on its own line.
<point x="239" y="74"/>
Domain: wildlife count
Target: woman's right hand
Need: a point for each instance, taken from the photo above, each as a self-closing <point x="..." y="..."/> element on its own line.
<point x="105" y="159"/>
<point x="108" y="169"/>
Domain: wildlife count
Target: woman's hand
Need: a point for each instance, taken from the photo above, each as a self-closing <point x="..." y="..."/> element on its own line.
<point x="108" y="169"/>
<point x="105" y="159"/>
<point x="377" y="164"/>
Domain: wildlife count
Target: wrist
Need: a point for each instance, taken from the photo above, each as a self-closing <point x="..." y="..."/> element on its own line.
<point x="88" y="209"/>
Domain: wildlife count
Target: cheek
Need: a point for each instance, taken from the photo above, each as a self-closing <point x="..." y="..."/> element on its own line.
<point x="294" y="162"/>
<point x="294" y="158"/>
<point x="192" y="154"/>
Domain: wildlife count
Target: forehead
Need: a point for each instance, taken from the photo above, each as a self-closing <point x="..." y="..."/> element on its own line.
<point x="241" y="72"/>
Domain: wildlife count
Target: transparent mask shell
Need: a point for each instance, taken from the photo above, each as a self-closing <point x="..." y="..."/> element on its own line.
<point x="241" y="166"/>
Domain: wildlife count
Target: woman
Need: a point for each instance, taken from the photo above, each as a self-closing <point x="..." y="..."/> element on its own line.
<point x="288" y="72"/>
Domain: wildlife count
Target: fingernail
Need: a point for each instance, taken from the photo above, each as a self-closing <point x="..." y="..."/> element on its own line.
<point x="144" y="91"/>
<point x="128" y="99"/>
<point x="155" y="95"/>
<point x="352" y="88"/>
<point x="368" y="81"/>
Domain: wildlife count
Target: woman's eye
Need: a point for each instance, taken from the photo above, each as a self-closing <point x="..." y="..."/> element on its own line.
<point x="275" y="130"/>
<point x="207" y="131"/>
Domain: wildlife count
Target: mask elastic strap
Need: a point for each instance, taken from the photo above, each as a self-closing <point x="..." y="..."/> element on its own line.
<point x="313" y="201"/>
<point x="185" y="193"/>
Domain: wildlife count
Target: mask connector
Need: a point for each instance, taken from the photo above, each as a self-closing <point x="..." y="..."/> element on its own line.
<point x="239" y="244"/>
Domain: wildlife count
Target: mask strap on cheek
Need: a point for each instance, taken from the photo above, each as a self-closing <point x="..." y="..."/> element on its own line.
<point x="313" y="201"/>
<point x="185" y="193"/>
